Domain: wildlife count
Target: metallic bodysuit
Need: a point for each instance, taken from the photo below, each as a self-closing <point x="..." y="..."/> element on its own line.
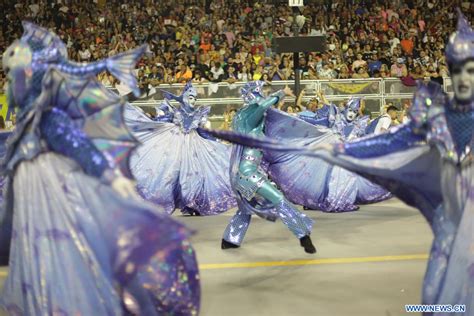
<point x="256" y="192"/>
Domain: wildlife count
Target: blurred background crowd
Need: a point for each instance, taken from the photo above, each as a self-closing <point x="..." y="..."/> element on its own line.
<point x="231" y="41"/>
<point x="217" y="40"/>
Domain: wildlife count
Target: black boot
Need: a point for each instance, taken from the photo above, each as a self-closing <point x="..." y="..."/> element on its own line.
<point x="190" y="211"/>
<point x="307" y="244"/>
<point x="226" y="245"/>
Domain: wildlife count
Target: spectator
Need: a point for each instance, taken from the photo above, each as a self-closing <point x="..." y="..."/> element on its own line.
<point x="384" y="72"/>
<point x="360" y="73"/>
<point x="231" y="76"/>
<point x="417" y="73"/>
<point x="386" y="120"/>
<point x="84" y="53"/>
<point x="217" y="72"/>
<point x="156" y="76"/>
<point x="373" y="63"/>
<point x="344" y="72"/>
<point x="184" y="74"/>
<point x="407" y="45"/>
<point x="359" y="62"/>
<point x="276" y="74"/>
<point x="244" y="74"/>
<point x="398" y="69"/>
<point x="235" y="32"/>
<point x="258" y="73"/>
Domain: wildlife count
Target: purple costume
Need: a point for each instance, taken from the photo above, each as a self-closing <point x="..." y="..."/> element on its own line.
<point x="75" y="246"/>
<point x="177" y="165"/>
<point x="428" y="164"/>
<point x="310" y="181"/>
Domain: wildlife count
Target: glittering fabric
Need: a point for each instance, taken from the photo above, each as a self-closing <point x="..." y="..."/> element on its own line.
<point x="169" y="284"/>
<point x="3" y="140"/>
<point x="310" y="181"/>
<point x="55" y="223"/>
<point x="191" y="120"/>
<point x="237" y="227"/>
<point x="319" y="117"/>
<point x="396" y="139"/>
<point x="63" y="137"/>
<point x="256" y="195"/>
<point x="460" y="46"/>
<point x="298" y="223"/>
<point x="177" y="168"/>
<point x="461" y="127"/>
<point x="62" y="235"/>
<point x="430" y="175"/>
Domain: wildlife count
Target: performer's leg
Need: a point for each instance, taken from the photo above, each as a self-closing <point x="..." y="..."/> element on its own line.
<point x="298" y="223"/>
<point x="235" y="232"/>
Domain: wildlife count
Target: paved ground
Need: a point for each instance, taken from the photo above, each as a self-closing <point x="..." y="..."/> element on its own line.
<point x="369" y="262"/>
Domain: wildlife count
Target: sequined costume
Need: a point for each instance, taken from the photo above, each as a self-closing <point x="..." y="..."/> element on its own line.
<point x="177" y="165"/>
<point x="255" y="193"/>
<point x="427" y="163"/>
<point x="310" y="181"/>
<point x="75" y="245"/>
<point x="3" y="139"/>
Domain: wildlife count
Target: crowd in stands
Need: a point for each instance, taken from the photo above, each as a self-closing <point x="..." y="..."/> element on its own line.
<point x="231" y="41"/>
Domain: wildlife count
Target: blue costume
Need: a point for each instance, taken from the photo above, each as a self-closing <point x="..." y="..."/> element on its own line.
<point x="309" y="181"/>
<point x="3" y="148"/>
<point x="178" y="165"/>
<point x="255" y="193"/>
<point x="427" y="163"/>
<point x="76" y="245"/>
<point x="320" y="116"/>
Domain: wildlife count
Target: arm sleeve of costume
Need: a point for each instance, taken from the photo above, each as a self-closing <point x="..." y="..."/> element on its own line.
<point x="204" y="134"/>
<point x="63" y="137"/>
<point x="398" y="139"/>
<point x="263" y="105"/>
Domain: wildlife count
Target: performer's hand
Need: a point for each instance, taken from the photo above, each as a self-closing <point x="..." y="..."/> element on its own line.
<point x="125" y="187"/>
<point x="288" y="92"/>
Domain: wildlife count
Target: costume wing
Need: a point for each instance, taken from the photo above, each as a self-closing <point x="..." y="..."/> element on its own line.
<point x="96" y="110"/>
<point x="412" y="174"/>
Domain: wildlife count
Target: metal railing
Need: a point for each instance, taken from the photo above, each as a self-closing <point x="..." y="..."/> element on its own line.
<point x="376" y="92"/>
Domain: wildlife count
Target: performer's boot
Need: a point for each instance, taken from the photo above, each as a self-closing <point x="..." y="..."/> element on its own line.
<point x="307" y="244"/>
<point x="298" y="223"/>
<point x="190" y="211"/>
<point x="227" y="245"/>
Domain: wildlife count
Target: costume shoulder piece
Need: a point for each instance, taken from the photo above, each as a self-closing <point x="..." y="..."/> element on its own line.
<point x="428" y="101"/>
<point x="94" y="109"/>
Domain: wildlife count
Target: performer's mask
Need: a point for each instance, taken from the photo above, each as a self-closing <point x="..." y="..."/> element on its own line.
<point x="463" y="81"/>
<point x="189" y="95"/>
<point x="17" y="64"/>
<point x="352" y="109"/>
<point x="460" y="57"/>
<point x="252" y="90"/>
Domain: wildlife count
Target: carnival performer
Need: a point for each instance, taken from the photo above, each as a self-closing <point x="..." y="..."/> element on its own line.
<point x="177" y="166"/>
<point x="310" y="181"/>
<point x="78" y="238"/>
<point x="255" y="193"/>
<point x="427" y="163"/>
